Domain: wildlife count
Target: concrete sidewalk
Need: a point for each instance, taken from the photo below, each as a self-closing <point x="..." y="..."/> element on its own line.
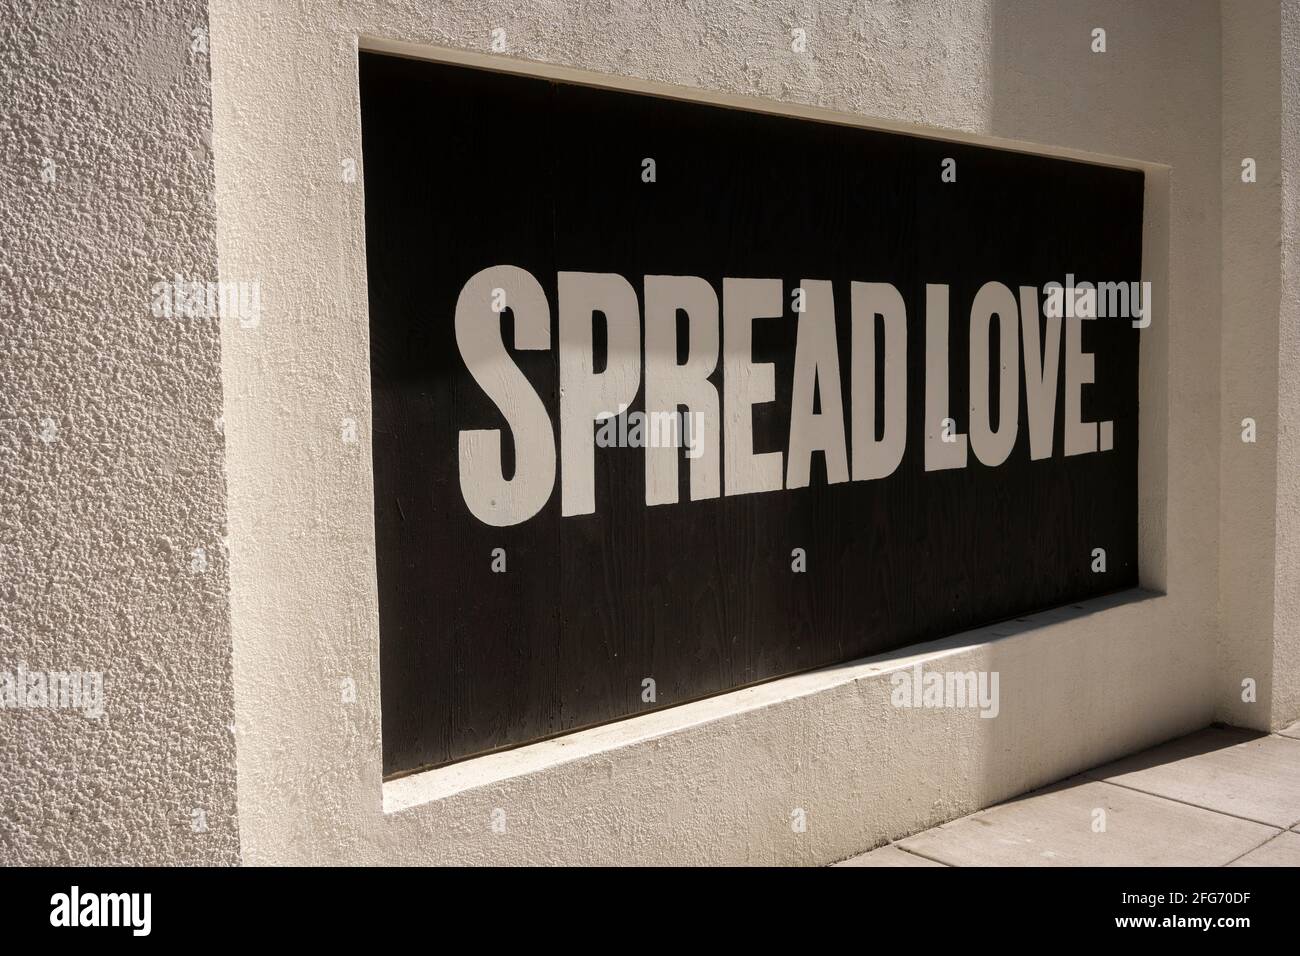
<point x="1218" y="797"/>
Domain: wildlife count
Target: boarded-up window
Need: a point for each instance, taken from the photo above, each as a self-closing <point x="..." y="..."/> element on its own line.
<point x="836" y="486"/>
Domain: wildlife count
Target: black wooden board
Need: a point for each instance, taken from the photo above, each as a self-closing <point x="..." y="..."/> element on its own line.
<point x="467" y="168"/>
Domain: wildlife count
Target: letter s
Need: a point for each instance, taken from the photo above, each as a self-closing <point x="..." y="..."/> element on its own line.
<point x="490" y="497"/>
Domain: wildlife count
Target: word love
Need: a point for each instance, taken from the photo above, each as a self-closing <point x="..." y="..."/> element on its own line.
<point x="725" y="462"/>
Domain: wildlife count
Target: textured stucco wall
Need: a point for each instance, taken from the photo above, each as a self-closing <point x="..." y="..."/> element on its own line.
<point x="1259" y="581"/>
<point x="98" y="523"/>
<point x="714" y="782"/>
<point x="1286" y="592"/>
<point x="1249" y="343"/>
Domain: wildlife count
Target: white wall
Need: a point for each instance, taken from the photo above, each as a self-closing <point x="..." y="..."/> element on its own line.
<point x="98" y="525"/>
<point x="1249" y="372"/>
<point x="1285" y="658"/>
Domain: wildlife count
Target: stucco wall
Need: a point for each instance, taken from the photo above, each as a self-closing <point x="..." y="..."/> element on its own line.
<point x="1286" y="592"/>
<point x="1249" y="343"/>
<point x="715" y="781"/>
<point x="110" y="459"/>
<point x="1260" y="552"/>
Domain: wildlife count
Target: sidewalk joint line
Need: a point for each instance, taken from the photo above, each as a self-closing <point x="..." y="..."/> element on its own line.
<point x="1188" y="803"/>
<point x="1253" y="849"/>
<point x="920" y="855"/>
